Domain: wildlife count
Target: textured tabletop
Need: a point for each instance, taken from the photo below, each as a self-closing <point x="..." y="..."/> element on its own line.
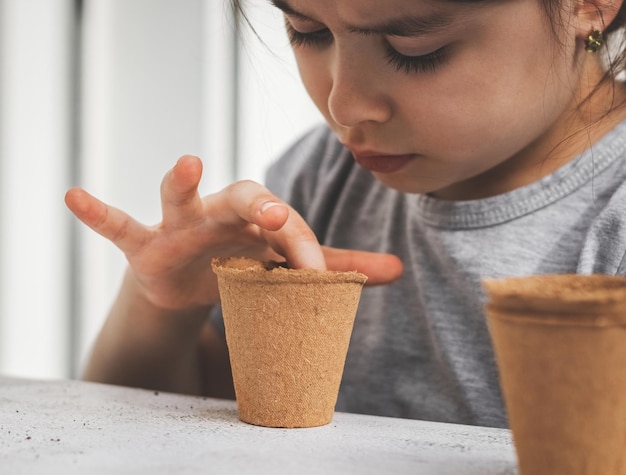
<point x="74" y="427"/>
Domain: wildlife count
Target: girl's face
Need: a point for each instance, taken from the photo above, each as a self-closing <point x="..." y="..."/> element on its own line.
<point x="460" y="100"/>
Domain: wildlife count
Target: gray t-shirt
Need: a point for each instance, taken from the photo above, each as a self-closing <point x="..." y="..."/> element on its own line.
<point x="420" y="347"/>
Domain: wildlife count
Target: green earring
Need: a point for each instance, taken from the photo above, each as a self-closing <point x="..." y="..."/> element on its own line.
<point x="594" y="41"/>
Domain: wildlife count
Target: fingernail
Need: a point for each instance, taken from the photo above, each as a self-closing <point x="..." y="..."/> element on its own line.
<point x="267" y="205"/>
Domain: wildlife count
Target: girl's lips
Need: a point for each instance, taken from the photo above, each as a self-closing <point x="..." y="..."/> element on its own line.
<point x="383" y="163"/>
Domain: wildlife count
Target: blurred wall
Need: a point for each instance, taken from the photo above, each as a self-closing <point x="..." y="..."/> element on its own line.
<point x="107" y="94"/>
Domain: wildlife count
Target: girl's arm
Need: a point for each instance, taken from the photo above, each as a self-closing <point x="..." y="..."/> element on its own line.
<point x="146" y="346"/>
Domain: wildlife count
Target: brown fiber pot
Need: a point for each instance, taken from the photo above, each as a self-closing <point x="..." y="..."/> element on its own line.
<point x="560" y="346"/>
<point x="287" y="333"/>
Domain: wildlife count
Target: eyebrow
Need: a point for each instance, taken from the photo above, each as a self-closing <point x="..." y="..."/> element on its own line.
<point x="407" y="26"/>
<point x="403" y="26"/>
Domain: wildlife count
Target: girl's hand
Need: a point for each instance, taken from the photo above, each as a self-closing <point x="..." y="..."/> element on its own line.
<point x="171" y="262"/>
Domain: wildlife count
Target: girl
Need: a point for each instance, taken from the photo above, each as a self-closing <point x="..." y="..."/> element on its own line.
<point x="464" y="139"/>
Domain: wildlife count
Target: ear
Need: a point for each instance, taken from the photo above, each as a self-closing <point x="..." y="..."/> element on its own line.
<point x="595" y="15"/>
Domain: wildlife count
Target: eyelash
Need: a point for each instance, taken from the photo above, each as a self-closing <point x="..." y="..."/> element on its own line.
<point x="316" y="38"/>
<point x="426" y="63"/>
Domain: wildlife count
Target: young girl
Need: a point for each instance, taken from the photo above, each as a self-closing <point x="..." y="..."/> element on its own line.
<point x="464" y="139"/>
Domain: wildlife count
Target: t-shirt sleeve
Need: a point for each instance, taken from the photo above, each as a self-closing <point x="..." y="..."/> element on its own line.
<point x="293" y="177"/>
<point x="604" y="250"/>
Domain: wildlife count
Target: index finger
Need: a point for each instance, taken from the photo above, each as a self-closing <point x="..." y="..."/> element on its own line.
<point x="280" y="225"/>
<point x="297" y="242"/>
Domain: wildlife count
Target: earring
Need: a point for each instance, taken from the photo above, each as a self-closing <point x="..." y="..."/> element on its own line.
<point x="594" y="41"/>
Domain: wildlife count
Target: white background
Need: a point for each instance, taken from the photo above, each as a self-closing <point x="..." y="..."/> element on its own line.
<point x="107" y="94"/>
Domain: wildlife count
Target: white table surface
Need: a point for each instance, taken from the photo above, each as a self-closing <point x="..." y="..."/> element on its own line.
<point x="75" y="427"/>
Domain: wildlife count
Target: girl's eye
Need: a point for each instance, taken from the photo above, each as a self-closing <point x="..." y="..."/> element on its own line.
<point x="426" y="63"/>
<point x="319" y="38"/>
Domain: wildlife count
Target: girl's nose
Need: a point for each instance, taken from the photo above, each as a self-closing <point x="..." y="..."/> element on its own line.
<point x="358" y="93"/>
